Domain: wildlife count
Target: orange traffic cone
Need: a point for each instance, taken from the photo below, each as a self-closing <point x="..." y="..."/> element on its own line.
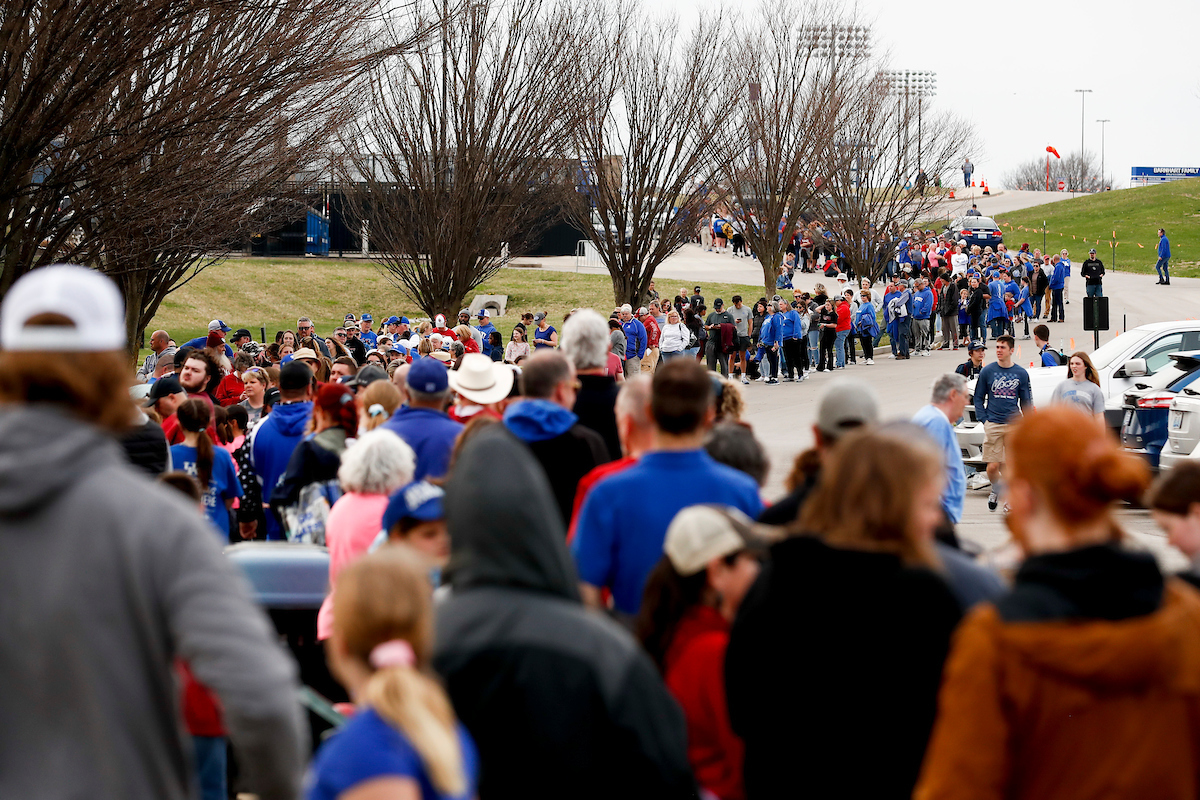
<point x="972" y="184"/>
<point x="985" y="189"/>
<point x="951" y="194"/>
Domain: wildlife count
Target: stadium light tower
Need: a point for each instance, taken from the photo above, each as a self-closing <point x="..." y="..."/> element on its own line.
<point x="1102" y="178"/>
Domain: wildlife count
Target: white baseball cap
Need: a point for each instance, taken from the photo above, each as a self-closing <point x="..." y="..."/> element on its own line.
<point x="88" y="299"/>
<point x="698" y="534"/>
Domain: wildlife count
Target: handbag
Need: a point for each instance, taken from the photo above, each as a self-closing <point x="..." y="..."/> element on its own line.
<point x="304" y="522"/>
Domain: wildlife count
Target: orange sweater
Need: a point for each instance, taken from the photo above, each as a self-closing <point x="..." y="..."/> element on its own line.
<point x="1064" y="710"/>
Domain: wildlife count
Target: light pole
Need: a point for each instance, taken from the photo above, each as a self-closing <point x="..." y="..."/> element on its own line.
<point x="1102" y="174"/>
<point x="1083" y="93"/>
<point x="911" y="83"/>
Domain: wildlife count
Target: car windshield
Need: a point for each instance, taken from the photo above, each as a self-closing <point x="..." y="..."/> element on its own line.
<point x="1110" y="350"/>
<point x="980" y="222"/>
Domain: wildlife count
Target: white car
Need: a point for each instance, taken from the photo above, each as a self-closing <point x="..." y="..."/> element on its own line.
<point x="1183" y="430"/>
<point x="1119" y="364"/>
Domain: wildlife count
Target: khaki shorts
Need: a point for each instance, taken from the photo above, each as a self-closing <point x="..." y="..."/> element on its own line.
<point x="993" y="445"/>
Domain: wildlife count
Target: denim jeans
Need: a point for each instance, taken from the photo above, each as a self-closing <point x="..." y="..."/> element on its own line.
<point x="209" y="752"/>
<point x="839" y="352"/>
<point x="1095" y="290"/>
<point x="1056" y="306"/>
<point x="1163" y="268"/>
<point x="814" y="336"/>
<point x="1036" y="302"/>
<point x="678" y="353"/>
<point x="999" y="327"/>
<point x="905" y="330"/>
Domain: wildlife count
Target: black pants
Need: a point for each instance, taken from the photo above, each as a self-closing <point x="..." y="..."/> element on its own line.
<point x="717" y="361"/>
<point x="868" y="345"/>
<point x="773" y="361"/>
<point x="828" y="343"/>
<point x="791" y="353"/>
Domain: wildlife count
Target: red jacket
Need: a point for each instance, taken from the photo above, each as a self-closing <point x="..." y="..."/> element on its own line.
<point x="652" y="331"/>
<point x="229" y="390"/>
<point x="201" y="708"/>
<point x="843" y="314"/>
<point x="694" y="669"/>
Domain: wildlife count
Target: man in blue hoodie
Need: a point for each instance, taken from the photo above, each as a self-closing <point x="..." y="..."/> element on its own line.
<point x="274" y="439"/>
<point x="543" y="420"/>
<point x="1162" y="266"/>
<point x="485" y="327"/>
<point x="635" y="340"/>
<point x="1058" y="279"/>
<point x="423" y="423"/>
<point x="623" y="522"/>
<point x="922" y="317"/>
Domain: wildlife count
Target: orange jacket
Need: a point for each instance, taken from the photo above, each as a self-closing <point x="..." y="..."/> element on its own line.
<point x="1063" y="710"/>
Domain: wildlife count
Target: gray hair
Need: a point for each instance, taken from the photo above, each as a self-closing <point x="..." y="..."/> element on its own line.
<point x="585" y="340"/>
<point x="303" y="319"/>
<point x="633" y="400"/>
<point x="380" y="462"/>
<point x="946" y="385"/>
<point x="627" y="309"/>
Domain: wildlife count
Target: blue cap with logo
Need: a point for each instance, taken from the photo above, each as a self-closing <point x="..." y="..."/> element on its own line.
<point x="418" y="500"/>
<point x="428" y="375"/>
<point x="392" y="320"/>
<point x="366" y="317"/>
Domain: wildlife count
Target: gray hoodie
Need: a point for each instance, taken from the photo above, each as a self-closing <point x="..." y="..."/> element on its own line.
<point x="105" y="579"/>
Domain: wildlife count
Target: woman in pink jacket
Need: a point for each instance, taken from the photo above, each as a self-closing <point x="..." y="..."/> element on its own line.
<point x="372" y="468"/>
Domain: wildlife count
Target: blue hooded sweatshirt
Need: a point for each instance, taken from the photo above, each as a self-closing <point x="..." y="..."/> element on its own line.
<point x="538" y="420"/>
<point x="635" y="338"/>
<point x="1164" y="247"/>
<point x="430" y="433"/>
<point x="271" y="448"/>
<point x="1059" y="278"/>
<point x="866" y="321"/>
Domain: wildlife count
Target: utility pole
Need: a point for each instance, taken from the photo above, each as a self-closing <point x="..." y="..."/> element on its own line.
<point x="1083" y="93"/>
<point x="1103" y="178"/>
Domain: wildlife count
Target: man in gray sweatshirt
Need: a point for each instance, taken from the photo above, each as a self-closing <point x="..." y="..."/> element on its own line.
<point x="107" y="579"/>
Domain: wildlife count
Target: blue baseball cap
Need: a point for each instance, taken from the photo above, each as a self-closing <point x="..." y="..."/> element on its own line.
<point x="428" y="375"/>
<point x="366" y="317"/>
<point x="392" y="320"/>
<point x="219" y="325"/>
<point x="404" y="320"/>
<point x="418" y="500"/>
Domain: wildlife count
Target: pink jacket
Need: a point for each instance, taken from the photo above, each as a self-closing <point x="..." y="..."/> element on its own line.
<point x="354" y="522"/>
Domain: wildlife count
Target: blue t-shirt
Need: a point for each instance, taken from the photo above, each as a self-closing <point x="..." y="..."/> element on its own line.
<point x="223" y="485"/>
<point x="370" y="339"/>
<point x="541" y="339"/>
<point x="1001" y="393"/>
<point x="623" y="523"/>
<point x="932" y="419"/>
<point x="368" y="747"/>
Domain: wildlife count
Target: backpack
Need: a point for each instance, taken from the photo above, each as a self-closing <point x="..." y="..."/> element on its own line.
<point x="305" y="521"/>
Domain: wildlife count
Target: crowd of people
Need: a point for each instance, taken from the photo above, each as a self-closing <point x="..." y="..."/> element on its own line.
<point x="547" y="582"/>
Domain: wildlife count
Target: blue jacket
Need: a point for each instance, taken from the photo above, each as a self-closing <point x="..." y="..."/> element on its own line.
<point x="198" y="344"/>
<point x="431" y="435"/>
<point x="635" y="338"/>
<point x="923" y="304"/>
<point x="1023" y="302"/>
<point x="790" y="324"/>
<point x="996" y="308"/>
<point x="1164" y="247"/>
<point x="537" y="420"/>
<point x="271" y="446"/>
<point x="770" y="333"/>
<point x="1059" y="277"/>
<point x="1067" y="261"/>
<point x="1048" y="357"/>
<point x="866" y="321"/>
<point x="487" y="330"/>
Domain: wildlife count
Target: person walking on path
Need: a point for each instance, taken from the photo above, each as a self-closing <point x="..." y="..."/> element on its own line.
<point x="1162" y="267"/>
<point x="967" y="170"/>
<point x="1093" y="274"/>
<point x="1002" y="393"/>
<point x="949" y="400"/>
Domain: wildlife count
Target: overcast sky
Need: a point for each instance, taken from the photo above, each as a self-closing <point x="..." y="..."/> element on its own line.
<point x="1015" y="73"/>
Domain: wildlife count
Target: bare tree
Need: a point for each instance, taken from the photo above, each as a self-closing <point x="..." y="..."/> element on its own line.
<point x="248" y="115"/>
<point x="61" y="62"/>
<point x="201" y="138"/>
<point x="650" y="154"/>
<point x="460" y="161"/>
<point x="870" y="198"/>
<point x="786" y="70"/>
<point x="1080" y="174"/>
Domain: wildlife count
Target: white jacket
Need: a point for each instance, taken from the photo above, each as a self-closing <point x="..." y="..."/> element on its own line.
<point x="674" y="338"/>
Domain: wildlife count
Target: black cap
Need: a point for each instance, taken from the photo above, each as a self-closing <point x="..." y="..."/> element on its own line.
<point x="162" y="387"/>
<point x="976" y="345"/>
<point x="240" y="332"/>
<point x="368" y="375"/>
<point x="718" y="303"/>
<point x="295" y="375"/>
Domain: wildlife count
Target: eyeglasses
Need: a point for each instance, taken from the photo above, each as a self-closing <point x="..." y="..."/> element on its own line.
<point x="305" y="329"/>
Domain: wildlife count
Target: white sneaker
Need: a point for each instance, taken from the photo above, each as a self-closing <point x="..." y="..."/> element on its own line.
<point x="870" y="361"/>
<point x="745" y="381"/>
<point x="992" y="501"/>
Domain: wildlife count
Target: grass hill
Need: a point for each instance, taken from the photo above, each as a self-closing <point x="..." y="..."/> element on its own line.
<point x="1135" y="215"/>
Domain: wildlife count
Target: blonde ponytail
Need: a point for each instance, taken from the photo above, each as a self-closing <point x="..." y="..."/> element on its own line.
<point x="418" y="706"/>
<point x="382" y="609"/>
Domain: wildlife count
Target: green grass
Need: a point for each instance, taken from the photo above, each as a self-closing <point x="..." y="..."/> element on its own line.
<point x="271" y="293"/>
<point x="1134" y="214"/>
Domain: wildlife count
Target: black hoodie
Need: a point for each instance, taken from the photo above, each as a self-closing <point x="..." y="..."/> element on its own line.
<point x="560" y="701"/>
